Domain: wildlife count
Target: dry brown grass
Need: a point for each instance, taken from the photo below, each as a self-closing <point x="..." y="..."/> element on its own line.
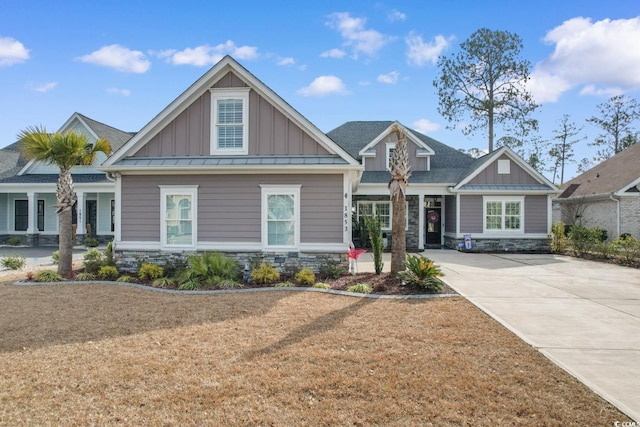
<point x="112" y="355"/>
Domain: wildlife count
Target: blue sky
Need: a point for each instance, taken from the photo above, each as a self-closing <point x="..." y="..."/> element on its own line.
<point x="121" y="63"/>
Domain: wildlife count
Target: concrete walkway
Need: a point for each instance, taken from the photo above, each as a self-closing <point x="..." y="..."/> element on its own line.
<point x="583" y="315"/>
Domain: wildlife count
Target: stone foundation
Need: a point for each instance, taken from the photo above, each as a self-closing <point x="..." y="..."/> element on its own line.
<point x="501" y="245"/>
<point x="130" y="261"/>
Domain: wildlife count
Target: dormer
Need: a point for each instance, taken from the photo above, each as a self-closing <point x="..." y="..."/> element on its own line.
<point x="377" y="153"/>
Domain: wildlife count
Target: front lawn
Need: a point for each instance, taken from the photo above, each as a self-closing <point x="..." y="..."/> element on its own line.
<point x="89" y="354"/>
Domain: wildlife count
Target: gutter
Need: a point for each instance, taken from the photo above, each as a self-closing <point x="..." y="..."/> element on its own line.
<point x="617" y="200"/>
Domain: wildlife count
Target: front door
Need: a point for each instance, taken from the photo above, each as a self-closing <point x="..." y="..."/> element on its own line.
<point x="91" y="215"/>
<point x="433" y="235"/>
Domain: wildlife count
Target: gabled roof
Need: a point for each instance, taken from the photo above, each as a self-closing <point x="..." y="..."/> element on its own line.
<point x="11" y="160"/>
<point x="448" y="165"/>
<point x="425" y="149"/>
<point x="483" y="162"/>
<point x="615" y="175"/>
<point x="184" y="100"/>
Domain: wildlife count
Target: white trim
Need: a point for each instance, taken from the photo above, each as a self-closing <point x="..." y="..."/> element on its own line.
<point x="184" y="100"/>
<point x="118" y="213"/>
<point x="421" y="224"/>
<point x="457" y="196"/>
<point x="623" y="190"/>
<point x="502" y="200"/>
<point x="235" y="94"/>
<point x="388" y="147"/>
<point x="138" y="246"/>
<point x="230" y="246"/>
<point x="268" y="190"/>
<point x="408" y="134"/>
<point x="168" y="190"/>
<point x="503" y="166"/>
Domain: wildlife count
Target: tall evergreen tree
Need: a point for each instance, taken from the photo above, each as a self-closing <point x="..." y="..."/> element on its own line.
<point x="616" y="118"/>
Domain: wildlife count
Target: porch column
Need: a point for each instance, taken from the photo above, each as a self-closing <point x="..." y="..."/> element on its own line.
<point x="421" y="225"/>
<point x="81" y="229"/>
<point x="33" y="214"/>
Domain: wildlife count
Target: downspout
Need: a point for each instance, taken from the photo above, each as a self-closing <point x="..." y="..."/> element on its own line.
<point x="617" y="214"/>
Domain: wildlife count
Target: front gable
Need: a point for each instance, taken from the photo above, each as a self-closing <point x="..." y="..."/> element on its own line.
<point x="503" y="170"/>
<point x="262" y="128"/>
<point x="376" y="154"/>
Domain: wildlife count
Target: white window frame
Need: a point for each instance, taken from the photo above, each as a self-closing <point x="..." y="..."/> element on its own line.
<point x="173" y="190"/>
<point x="390" y="146"/>
<point x="235" y="93"/>
<point x="374" y="203"/>
<point x="272" y="190"/>
<point x="503" y="200"/>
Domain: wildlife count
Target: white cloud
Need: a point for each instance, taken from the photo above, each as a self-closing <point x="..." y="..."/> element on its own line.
<point x="118" y="91"/>
<point x="420" y="52"/>
<point x="324" y="85"/>
<point x="333" y="53"/>
<point x="12" y="52"/>
<point x="396" y="15"/>
<point x="356" y="36"/>
<point x="119" y="58"/>
<point x="607" y="92"/>
<point x="44" y="87"/>
<point x="600" y="55"/>
<point x="425" y="126"/>
<point x="208" y="55"/>
<point x="389" y="78"/>
<point x="286" y="61"/>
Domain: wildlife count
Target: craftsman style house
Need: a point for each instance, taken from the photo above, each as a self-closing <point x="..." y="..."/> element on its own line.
<point x="28" y="191"/>
<point x="230" y="166"/>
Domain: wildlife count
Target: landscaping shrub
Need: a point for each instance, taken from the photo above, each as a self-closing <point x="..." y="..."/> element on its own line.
<point x="85" y="277"/>
<point x="290" y="270"/>
<point x="286" y="284"/>
<point x="108" y="255"/>
<point x="583" y="239"/>
<point x="558" y="238"/>
<point x="210" y="269"/>
<point x="148" y="271"/>
<point x="321" y="285"/>
<point x="175" y="266"/>
<point x="163" y="282"/>
<point x="361" y="288"/>
<point x="126" y="279"/>
<point x="264" y="274"/>
<point x="108" y="272"/>
<point x="377" y="245"/>
<point x="14" y="241"/>
<point x="55" y="257"/>
<point x="627" y="246"/>
<point x="15" y="262"/>
<point x="305" y="277"/>
<point x="90" y="242"/>
<point x="229" y="284"/>
<point x="421" y="272"/>
<point x="93" y="259"/>
<point x="330" y="268"/>
<point x="47" y="276"/>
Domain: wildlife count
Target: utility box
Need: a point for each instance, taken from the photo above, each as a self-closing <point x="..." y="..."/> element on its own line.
<point x="467" y="242"/>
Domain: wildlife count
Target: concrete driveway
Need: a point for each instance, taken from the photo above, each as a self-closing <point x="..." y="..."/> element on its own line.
<point x="583" y="315"/>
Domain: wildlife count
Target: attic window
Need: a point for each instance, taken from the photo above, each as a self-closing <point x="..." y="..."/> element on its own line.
<point x="504" y="167"/>
<point x="391" y="147"/>
<point x="229" y="121"/>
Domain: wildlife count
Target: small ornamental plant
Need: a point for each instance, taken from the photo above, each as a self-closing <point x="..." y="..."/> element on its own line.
<point x="305" y="277"/>
<point x="264" y="274"/>
<point x="360" y="288"/>
<point x="421" y="272"/>
<point x="149" y="271"/>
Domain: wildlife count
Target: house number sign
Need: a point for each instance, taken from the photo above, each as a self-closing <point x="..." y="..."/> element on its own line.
<point x="346" y="212"/>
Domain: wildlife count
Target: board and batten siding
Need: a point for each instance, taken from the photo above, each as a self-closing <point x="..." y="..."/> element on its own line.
<point x="535" y="214"/>
<point x="229" y="206"/>
<point x="471" y="214"/>
<point x="490" y="175"/>
<point x="379" y="162"/>
<point x="271" y="133"/>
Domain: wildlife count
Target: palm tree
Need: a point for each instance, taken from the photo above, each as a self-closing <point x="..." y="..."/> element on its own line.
<point x="64" y="150"/>
<point x="400" y="173"/>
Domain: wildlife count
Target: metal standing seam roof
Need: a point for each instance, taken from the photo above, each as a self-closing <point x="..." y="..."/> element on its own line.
<point x="231" y="161"/>
<point x="506" y="187"/>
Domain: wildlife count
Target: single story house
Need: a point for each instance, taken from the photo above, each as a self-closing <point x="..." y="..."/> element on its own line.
<point x="605" y="196"/>
<point x="230" y="166"/>
<point x="28" y="191"/>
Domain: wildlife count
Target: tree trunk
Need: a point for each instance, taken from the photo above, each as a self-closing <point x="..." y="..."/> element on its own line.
<point x="66" y="200"/>
<point x="398" y="238"/>
<point x="490" y="120"/>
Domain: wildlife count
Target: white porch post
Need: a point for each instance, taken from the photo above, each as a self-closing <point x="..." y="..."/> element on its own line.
<point x="33" y="216"/>
<point x="421" y="224"/>
<point x="81" y="228"/>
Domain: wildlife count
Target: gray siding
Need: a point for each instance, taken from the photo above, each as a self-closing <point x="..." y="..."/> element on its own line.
<point x="229" y="206"/>
<point x="4" y="212"/>
<point x="450" y="214"/>
<point x="490" y="175"/>
<point x="378" y="163"/>
<point x="535" y="214"/>
<point x="471" y="214"/>
<point x="270" y="131"/>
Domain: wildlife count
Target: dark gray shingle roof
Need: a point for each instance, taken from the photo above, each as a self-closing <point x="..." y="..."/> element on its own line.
<point x="448" y="165"/>
<point x="116" y="137"/>
<point x="85" y="178"/>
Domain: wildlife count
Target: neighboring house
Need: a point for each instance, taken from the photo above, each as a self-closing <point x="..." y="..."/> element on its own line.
<point x="498" y="200"/>
<point x="605" y="196"/>
<point x="28" y="191"/>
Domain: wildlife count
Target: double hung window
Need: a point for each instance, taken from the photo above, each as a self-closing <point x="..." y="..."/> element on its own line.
<point x="178" y="215"/>
<point x="229" y="119"/>
<point x="280" y="216"/>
